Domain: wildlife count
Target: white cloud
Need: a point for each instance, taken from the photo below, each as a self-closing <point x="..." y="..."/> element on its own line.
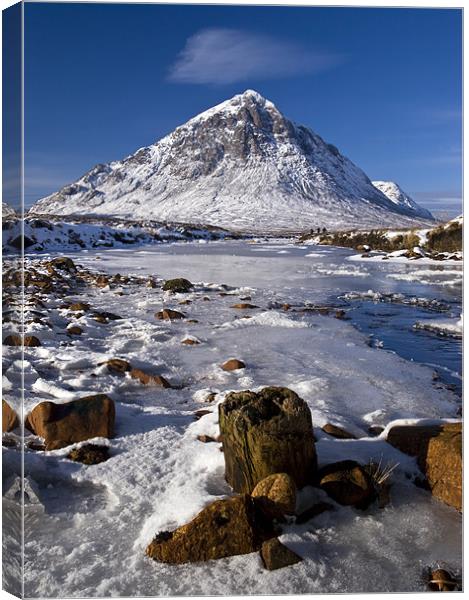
<point x="222" y="56"/>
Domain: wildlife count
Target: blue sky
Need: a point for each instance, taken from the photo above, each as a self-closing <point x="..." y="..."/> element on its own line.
<point x="383" y="85"/>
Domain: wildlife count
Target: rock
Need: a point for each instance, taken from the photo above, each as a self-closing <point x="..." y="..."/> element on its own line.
<point x="337" y="432"/>
<point x="118" y="365"/>
<point x="442" y="581"/>
<point x="201" y="413"/>
<point x="9" y="417"/>
<point x="74" y="330"/>
<point x="244" y="306"/>
<point x="233" y="364"/>
<point x="375" y="430"/>
<point x="276" y="494"/>
<point x="79" y="306"/>
<point x="276" y="556"/>
<point x="190" y="342"/>
<point x="64" y="264"/>
<point x="89" y="454"/>
<point x="340" y="314"/>
<point x="30" y="341"/>
<point x="224" y="528"/>
<point x="266" y="433"/>
<point x="148" y="379"/>
<point x="314" y="511"/>
<point x="438" y="449"/>
<point x="169" y="315"/>
<point x="177" y="286"/>
<point x="206" y="439"/>
<point x="348" y="483"/>
<point x="76" y="421"/>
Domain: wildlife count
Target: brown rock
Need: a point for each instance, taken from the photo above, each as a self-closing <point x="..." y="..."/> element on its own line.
<point x="17" y="340"/>
<point x="148" y="379"/>
<point x="442" y="581"/>
<point x="438" y="449"/>
<point x="224" y="528"/>
<point x="347" y="483"/>
<point x="79" y="306"/>
<point x="206" y="439"/>
<point x="89" y="454"/>
<point x="201" y="413"/>
<point x="118" y="366"/>
<point x="233" y="364"/>
<point x="31" y="341"/>
<point x="244" y="306"/>
<point x="74" y="330"/>
<point x="9" y="417"/>
<point x="337" y="432"/>
<point x="169" y="315"/>
<point x="75" y="421"/>
<point x="63" y="263"/>
<point x="190" y="342"/>
<point x="276" y="556"/>
<point x="276" y="494"/>
<point x="265" y="433"/>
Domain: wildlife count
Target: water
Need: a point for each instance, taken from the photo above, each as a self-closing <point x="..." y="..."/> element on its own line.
<point x="319" y="275"/>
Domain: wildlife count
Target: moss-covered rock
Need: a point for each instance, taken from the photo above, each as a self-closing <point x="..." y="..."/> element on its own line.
<point x="178" y="286"/>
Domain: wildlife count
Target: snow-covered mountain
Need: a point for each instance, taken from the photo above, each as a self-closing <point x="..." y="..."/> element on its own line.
<point x="8" y="212"/>
<point x="240" y="165"/>
<point x="397" y="195"/>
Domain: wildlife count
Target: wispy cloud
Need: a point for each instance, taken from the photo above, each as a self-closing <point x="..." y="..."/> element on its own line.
<point x="222" y="56"/>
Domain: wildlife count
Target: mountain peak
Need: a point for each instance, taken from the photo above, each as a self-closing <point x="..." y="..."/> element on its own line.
<point x="243" y="165"/>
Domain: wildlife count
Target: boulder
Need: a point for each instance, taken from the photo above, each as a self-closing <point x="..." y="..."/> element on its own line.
<point x="63" y="424"/>
<point x="266" y="433"/>
<point x="276" y="556"/>
<point x="276" y="495"/>
<point x="233" y="365"/>
<point x="148" y="379"/>
<point x="438" y="449"/>
<point x="9" y="417"/>
<point x="89" y="454"/>
<point x="79" y="306"/>
<point x="118" y="366"/>
<point x="30" y="341"/>
<point x="177" y="286"/>
<point x="168" y="315"/>
<point x="337" y="432"/>
<point x="74" y="330"/>
<point x="348" y="483"/>
<point x="63" y="263"/>
<point x="224" y="528"/>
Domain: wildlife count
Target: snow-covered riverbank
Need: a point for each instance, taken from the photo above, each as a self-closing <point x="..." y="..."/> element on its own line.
<point x="87" y="534"/>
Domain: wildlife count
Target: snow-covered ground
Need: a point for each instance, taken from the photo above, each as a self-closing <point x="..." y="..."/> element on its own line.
<point x="86" y="533"/>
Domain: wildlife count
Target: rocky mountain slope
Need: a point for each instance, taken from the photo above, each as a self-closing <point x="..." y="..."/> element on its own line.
<point x="397" y="195"/>
<point x="240" y="165"/>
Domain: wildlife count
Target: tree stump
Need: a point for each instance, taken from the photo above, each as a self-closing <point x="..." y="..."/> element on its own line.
<point x="265" y="433"/>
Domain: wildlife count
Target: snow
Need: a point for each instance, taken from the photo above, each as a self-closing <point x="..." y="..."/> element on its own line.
<point x="451" y="327"/>
<point x="97" y="520"/>
<point x="392" y="191"/>
<point x="240" y="165"/>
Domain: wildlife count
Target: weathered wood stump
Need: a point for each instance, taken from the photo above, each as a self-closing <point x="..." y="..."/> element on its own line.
<point x="265" y="433"/>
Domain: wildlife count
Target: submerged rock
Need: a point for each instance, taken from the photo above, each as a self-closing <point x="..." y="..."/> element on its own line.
<point x="438" y="449"/>
<point x="276" y="556"/>
<point x="266" y="433"/>
<point x="224" y="528"/>
<point x="63" y="424"/>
